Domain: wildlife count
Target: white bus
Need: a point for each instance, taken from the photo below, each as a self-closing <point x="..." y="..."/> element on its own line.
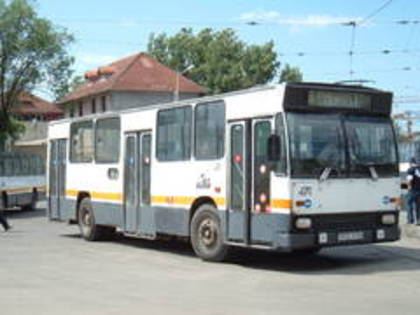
<point x="22" y="180"/>
<point x="285" y="167"/>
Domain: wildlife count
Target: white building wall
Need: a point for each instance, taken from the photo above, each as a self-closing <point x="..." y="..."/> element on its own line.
<point x="126" y="100"/>
<point x="117" y="101"/>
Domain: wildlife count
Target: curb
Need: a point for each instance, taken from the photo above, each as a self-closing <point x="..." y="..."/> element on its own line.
<point x="410" y="230"/>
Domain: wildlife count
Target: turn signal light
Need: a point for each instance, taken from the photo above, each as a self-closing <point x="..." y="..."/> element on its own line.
<point x="300" y="203"/>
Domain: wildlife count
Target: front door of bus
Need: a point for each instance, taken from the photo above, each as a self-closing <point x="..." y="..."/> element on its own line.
<point x="249" y="180"/>
<point x="57" y="178"/>
<point x="137" y="178"/>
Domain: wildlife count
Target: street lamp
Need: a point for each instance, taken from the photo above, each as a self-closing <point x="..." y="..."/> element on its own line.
<point x="177" y="75"/>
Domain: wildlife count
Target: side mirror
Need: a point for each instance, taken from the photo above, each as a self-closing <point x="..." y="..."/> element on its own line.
<point x="274" y="148"/>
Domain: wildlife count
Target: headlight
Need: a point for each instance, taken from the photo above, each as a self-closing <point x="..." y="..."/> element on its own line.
<point x="388" y="219"/>
<point x="303" y="223"/>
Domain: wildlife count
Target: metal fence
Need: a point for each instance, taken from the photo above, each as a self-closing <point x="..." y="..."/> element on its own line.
<point x="21" y="164"/>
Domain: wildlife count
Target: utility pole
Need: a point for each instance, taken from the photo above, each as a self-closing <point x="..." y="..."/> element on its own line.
<point x="177" y="75"/>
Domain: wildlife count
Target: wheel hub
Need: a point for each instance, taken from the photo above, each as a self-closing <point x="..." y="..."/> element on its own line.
<point x="208" y="232"/>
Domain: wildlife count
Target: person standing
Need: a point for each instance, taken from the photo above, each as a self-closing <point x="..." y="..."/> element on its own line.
<point x="3" y="220"/>
<point x="413" y="177"/>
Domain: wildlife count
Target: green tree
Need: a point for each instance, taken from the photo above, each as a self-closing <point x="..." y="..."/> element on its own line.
<point x="219" y="60"/>
<point x="32" y="53"/>
<point x="65" y="88"/>
<point x="290" y="74"/>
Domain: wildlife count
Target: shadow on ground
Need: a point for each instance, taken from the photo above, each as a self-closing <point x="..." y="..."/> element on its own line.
<point x="25" y="214"/>
<point x="362" y="259"/>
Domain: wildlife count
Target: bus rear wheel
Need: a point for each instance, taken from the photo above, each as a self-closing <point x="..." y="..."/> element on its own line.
<point x="88" y="228"/>
<point x="207" y="237"/>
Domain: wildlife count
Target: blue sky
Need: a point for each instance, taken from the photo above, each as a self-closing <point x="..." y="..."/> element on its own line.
<point x="307" y="34"/>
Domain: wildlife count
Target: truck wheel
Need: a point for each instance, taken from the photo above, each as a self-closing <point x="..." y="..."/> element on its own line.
<point x="207" y="237"/>
<point x="88" y="229"/>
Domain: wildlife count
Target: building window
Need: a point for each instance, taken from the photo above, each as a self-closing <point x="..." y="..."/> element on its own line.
<point x="103" y="103"/>
<point x="107" y="140"/>
<point x="93" y="106"/>
<point x="81" y="147"/>
<point x="209" y="130"/>
<point x="80" y="109"/>
<point x="71" y="111"/>
<point x="174" y="134"/>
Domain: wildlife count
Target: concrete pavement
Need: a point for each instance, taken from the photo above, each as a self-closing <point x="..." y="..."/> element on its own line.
<point x="46" y="268"/>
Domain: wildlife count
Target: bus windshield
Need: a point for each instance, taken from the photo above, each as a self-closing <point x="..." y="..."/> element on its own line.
<point x="316" y="143"/>
<point x="371" y="144"/>
<point x="341" y="145"/>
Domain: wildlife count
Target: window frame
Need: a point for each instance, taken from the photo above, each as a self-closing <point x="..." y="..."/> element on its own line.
<point x="217" y="156"/>
<point x="80" y="109"/>
<point x="95" y="154"/>
<point x="191" y="138"/>
<point x="285" y="142"/>
<point x="93" y="106"/>
<point x="71" y="155"/>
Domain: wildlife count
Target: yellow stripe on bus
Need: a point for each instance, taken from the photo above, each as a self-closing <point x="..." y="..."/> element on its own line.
<point x="281" y="203"/>
<point x="175" y="200"/>
<point x="97" y="195"/>
<point x="183" y="200"/>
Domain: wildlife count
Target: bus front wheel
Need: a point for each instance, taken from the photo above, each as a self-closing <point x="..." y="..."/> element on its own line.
<point x="89" y="230"/>
<point x="206" y="234"/>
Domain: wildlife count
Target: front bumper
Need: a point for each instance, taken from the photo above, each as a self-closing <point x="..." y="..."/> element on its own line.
<point x="290" y="242"/>
<point x="339" y="230"/>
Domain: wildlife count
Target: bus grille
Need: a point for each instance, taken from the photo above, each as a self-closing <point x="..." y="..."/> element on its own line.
<point x="352" y="221"/>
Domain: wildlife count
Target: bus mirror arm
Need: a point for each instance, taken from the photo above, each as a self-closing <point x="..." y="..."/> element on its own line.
<point x="273" y="148"/>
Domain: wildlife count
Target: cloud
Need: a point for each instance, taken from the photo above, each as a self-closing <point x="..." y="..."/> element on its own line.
<point x="89" y="59"/>
<point x="274" y="17"/>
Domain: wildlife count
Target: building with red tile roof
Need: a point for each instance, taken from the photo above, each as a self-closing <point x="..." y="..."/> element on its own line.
<point x="31" y="107"/>
<point x="34" y="113"/>
<point x="133" y="81"/>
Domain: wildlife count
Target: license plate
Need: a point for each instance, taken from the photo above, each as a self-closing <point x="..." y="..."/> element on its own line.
<point x="350" y="236"/>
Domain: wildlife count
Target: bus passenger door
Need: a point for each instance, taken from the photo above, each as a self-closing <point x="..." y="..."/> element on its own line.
<point x="146" y="214"/>
<point x="249" y="182"/>
<point x="139" y="218"/>
<point x="57" y="178"/>
<point x="131" y="184"/>
<point x="237" y="221"/>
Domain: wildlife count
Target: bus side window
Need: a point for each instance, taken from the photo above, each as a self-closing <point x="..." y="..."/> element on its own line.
<point x="209" y="130"/>
<point x="107" y="140"/>
<point x="174" y="134"/>
<point x="81" y="148"/>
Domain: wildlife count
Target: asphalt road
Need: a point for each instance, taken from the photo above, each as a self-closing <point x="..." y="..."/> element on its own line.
<point x="46" y="268"/>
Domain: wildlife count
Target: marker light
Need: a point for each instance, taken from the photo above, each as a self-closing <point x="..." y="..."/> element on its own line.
<point x="263" y="198"/>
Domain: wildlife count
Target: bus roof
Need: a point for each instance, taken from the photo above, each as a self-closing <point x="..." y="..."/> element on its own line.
<point x="209" y="98"/>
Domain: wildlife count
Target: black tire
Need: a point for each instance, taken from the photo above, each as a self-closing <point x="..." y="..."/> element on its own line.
<point x="308" y="251"/>
<point x="86" y="219"/>
<point x="207" y="237"/>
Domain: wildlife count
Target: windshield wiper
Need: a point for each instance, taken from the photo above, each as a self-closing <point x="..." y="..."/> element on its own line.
<point x="325" y="173"/>
<point x="372" y="171"/>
